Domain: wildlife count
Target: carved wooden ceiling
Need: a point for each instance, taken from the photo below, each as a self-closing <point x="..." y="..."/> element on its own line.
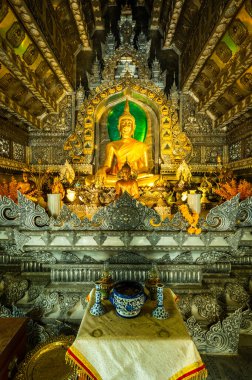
<point x="46" y="46"/>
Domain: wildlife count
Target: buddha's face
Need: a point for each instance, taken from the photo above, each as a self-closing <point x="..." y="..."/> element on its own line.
<point x="25" y="177"/>
<point x="126" y="127"/>
<point x="125" y="173"/>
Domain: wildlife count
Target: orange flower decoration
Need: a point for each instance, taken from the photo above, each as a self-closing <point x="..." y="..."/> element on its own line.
<point x="192" y="218"/>
<point x="231" y="188"/>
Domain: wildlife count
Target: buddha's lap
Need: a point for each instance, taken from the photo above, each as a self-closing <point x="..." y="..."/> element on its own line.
<point x="143" y="179"/>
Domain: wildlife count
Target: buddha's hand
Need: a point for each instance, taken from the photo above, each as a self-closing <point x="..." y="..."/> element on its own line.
<point x="100" y="176"/>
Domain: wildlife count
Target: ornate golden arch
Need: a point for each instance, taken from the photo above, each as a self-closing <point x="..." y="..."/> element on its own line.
<point x="173" y="145"/>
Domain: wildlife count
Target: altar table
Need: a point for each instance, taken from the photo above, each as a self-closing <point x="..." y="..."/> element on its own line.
<point x="142" y="348"/>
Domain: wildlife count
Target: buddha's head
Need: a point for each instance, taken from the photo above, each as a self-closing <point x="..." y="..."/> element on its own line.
<point x="126" y="123"/>
<point x="25" y="177"/>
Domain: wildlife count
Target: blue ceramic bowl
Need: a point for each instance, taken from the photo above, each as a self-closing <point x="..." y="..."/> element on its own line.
<point x="128" y="298"/>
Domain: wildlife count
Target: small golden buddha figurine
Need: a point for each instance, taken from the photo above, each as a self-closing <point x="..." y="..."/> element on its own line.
<point x="57" y="188"/>
<point x="13" y="189"/>
<point x="4" y="188"/>
<point x="126" y="183"/>
<point x="126" y="149"/>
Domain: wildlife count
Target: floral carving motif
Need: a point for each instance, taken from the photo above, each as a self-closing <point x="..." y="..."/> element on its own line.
<point x="222" y="337"/>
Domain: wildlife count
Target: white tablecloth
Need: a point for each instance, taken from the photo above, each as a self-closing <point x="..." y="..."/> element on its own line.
<point x="142" y="348"/>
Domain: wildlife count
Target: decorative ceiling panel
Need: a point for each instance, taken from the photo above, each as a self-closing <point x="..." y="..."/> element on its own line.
<point x="40" y="20"/>
<point x="214" y="18"/>
<point x="225" y="80"/>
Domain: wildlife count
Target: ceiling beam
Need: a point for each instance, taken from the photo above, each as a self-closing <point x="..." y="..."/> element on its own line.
<point x="238" y="110"/>
<point x="79" y="17"/>
<point x="30" y="24"/>
<point x="15" y="109"/>
<point x="246" y="163"/>
<point x="7" y="163"/>
<point x="201" y="45"/>
<point x="232" y="71"/>
<point x="172" y="22"/>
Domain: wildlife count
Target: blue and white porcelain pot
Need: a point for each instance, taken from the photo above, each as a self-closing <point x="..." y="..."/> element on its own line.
<point x="128" y="298"/>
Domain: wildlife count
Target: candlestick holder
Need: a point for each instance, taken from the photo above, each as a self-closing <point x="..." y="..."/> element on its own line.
<point x="159" y="312"/>
<point x="97" y="309"/>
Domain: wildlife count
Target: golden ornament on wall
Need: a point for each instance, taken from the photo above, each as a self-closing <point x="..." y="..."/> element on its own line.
<point x="150" y="94"/>
<point x="223" y="52"/>
<point x="238" y="32"/>
<point x="90" y="110"/>
<point x="30" y="55"/>
<point x="15" y="35"/>
<point x="42" y="69"/>
<point x="167" y="135"/>
<point x="159" y="100"/>
<point x="96" y="100"/>
<point x="246" y="81"/>
<point x="212" y="68"/>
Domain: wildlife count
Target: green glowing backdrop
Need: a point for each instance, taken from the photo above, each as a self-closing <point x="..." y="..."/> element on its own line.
<point x="139" y="115"/>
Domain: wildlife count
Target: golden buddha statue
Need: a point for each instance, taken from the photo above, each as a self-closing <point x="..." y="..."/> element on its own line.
<point x="126" y="183"/>
<point x="27" y="187"/>
<point x="126" y="149"/>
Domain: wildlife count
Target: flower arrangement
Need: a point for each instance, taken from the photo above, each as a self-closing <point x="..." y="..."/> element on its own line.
<point x="232" y="187"/>
<point x="192" y="218"/>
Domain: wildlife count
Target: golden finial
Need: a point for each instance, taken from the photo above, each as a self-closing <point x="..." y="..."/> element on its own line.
<point x="126" y="114"/>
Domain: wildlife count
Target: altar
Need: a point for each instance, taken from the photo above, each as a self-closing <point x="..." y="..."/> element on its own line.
<point x="108" y="189"/>
<point x="110" y="347"/>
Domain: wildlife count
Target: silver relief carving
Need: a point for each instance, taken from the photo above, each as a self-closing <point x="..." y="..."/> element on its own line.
<point x="42" y="257"/>
<point x="67" y="302"/>
<point x="126" y="213"/>
<point x="15" y="289"/>
<point x="234" y="239"/>
<point x="244" y="216"/>
<point x="69" y="257"/>
<point x="153" y="238"/>
<point x="222" y="337"/>
<point x="47" y="302"/>
<point x="20" y="239"/>
<point x="8" y="212"/>
<point x="183" y="257"/>
<point x="32" y="216"/>
<point x="223" y="217"/>
<point x="210" y="257"/>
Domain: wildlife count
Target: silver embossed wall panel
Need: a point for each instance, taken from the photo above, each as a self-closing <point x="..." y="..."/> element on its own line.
<point x="18" y="152"/>
<point x="4" y="147"/>
<point x="247" y="150"/>
<point x="235" y="151"/>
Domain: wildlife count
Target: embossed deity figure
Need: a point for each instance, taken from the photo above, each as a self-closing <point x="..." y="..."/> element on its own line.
<point x="13" y="189"/>
<point x="126" y="149"/>
<point x="126" y="183"/>
<point x="27" y="187"/>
